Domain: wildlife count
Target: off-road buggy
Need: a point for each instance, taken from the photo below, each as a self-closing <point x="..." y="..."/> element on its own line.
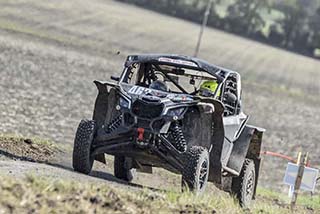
<point x="201" y="138"/>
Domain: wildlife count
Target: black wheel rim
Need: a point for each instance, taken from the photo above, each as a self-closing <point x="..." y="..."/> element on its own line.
<point x="203" y="174"/>
<point x="250" y="184"/>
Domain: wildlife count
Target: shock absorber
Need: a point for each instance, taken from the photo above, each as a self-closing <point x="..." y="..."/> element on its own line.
<point x="114" y="124"/>
<point x="178" y="138"/>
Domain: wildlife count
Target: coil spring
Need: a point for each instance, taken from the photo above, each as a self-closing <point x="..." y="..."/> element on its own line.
<point x="114" y="124"/>
<point x="178" y="137"/>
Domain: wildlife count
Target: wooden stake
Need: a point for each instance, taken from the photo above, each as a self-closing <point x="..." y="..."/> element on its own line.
<point x="302" y="160"/>
<point x="299" y="158"/>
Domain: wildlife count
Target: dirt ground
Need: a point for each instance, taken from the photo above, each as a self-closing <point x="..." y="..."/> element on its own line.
<point x="51" y="52"/>
<point x="23" y="157"/>
<point x="18" y="148"/>
<point x="34" y="185"/>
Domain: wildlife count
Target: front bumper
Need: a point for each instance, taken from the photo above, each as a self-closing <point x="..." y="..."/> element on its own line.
<point x="125" y="142"/>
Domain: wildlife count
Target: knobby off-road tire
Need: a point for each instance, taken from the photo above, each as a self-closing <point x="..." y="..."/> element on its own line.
<point x="123" y="168"/>
<point x="196" y="170"/>
<point x="82" y="160"/>
<point x="244" y="185"/>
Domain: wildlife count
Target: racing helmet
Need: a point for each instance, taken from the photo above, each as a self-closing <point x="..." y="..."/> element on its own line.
<point x="208" y="88"/>
<point x="159" y="85"/>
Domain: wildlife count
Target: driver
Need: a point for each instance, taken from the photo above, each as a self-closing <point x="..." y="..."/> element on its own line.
<point x="159" y="85"/>
<point x="208" y="88"/>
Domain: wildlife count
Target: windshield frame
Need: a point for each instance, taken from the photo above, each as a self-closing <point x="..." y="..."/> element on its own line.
<point x="156" y="67"/>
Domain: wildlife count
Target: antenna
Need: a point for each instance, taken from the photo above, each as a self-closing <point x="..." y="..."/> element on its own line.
<point x="204" y="24"/>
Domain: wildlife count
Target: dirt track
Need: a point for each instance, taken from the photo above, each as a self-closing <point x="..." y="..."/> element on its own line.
<point x="51" y="52"/>
<point x="23" y="157"/>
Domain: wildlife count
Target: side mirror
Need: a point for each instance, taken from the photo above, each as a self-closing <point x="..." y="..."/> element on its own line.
<point x="192" y="81"/>
<point x="115" y="78"/>
<point x="230" y="98"/>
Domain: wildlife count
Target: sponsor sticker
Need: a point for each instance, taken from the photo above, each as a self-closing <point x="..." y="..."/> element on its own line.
<point x="177" y="61"/>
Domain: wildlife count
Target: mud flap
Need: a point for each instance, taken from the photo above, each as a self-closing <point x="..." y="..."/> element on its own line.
<point x="101" y="104"/>
<point x="254" y="152"/>
<point x="103" y="109"/>
<point x="248" y="145"/>
<point x="217" y="139"/>
<point x="240" y="149"/>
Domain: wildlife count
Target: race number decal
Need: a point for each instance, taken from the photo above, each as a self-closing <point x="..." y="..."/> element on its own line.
<point x="139" y="90"/>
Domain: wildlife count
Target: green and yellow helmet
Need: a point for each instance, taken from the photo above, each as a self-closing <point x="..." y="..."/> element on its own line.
<point x="208" y="88"/>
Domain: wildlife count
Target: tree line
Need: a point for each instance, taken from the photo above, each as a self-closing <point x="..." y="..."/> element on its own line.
<point x="290" y="24"/>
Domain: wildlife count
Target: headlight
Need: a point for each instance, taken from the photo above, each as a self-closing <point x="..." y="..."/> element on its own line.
<point x="176" y="112"/>
<point x="124" y="103"/>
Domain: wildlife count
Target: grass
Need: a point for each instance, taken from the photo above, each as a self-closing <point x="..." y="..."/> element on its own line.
<point x="305" y="200"/>
<point x="34" y="194"/>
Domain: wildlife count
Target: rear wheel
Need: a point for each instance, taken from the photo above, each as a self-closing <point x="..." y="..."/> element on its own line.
<point x="243" y="186"/>
<point x="196" y="170"/>
<point x="82" y="160"/>
<point x="123" y="168"/>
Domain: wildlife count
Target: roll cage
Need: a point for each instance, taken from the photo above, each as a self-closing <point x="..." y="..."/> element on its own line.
<point x="173" y="66"/>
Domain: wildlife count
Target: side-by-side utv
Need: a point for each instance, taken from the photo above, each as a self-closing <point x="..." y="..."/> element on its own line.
<point x="145" y="124"/>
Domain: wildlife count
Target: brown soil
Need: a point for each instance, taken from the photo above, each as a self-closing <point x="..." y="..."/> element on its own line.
<point x="25" y="149"/>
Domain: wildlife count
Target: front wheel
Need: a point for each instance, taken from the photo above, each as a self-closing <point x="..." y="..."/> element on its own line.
<point x="123" y="168"/>
<point x="196" y="170"/>
<point x="82" y="160"/>
<point x="243" y="187"/>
